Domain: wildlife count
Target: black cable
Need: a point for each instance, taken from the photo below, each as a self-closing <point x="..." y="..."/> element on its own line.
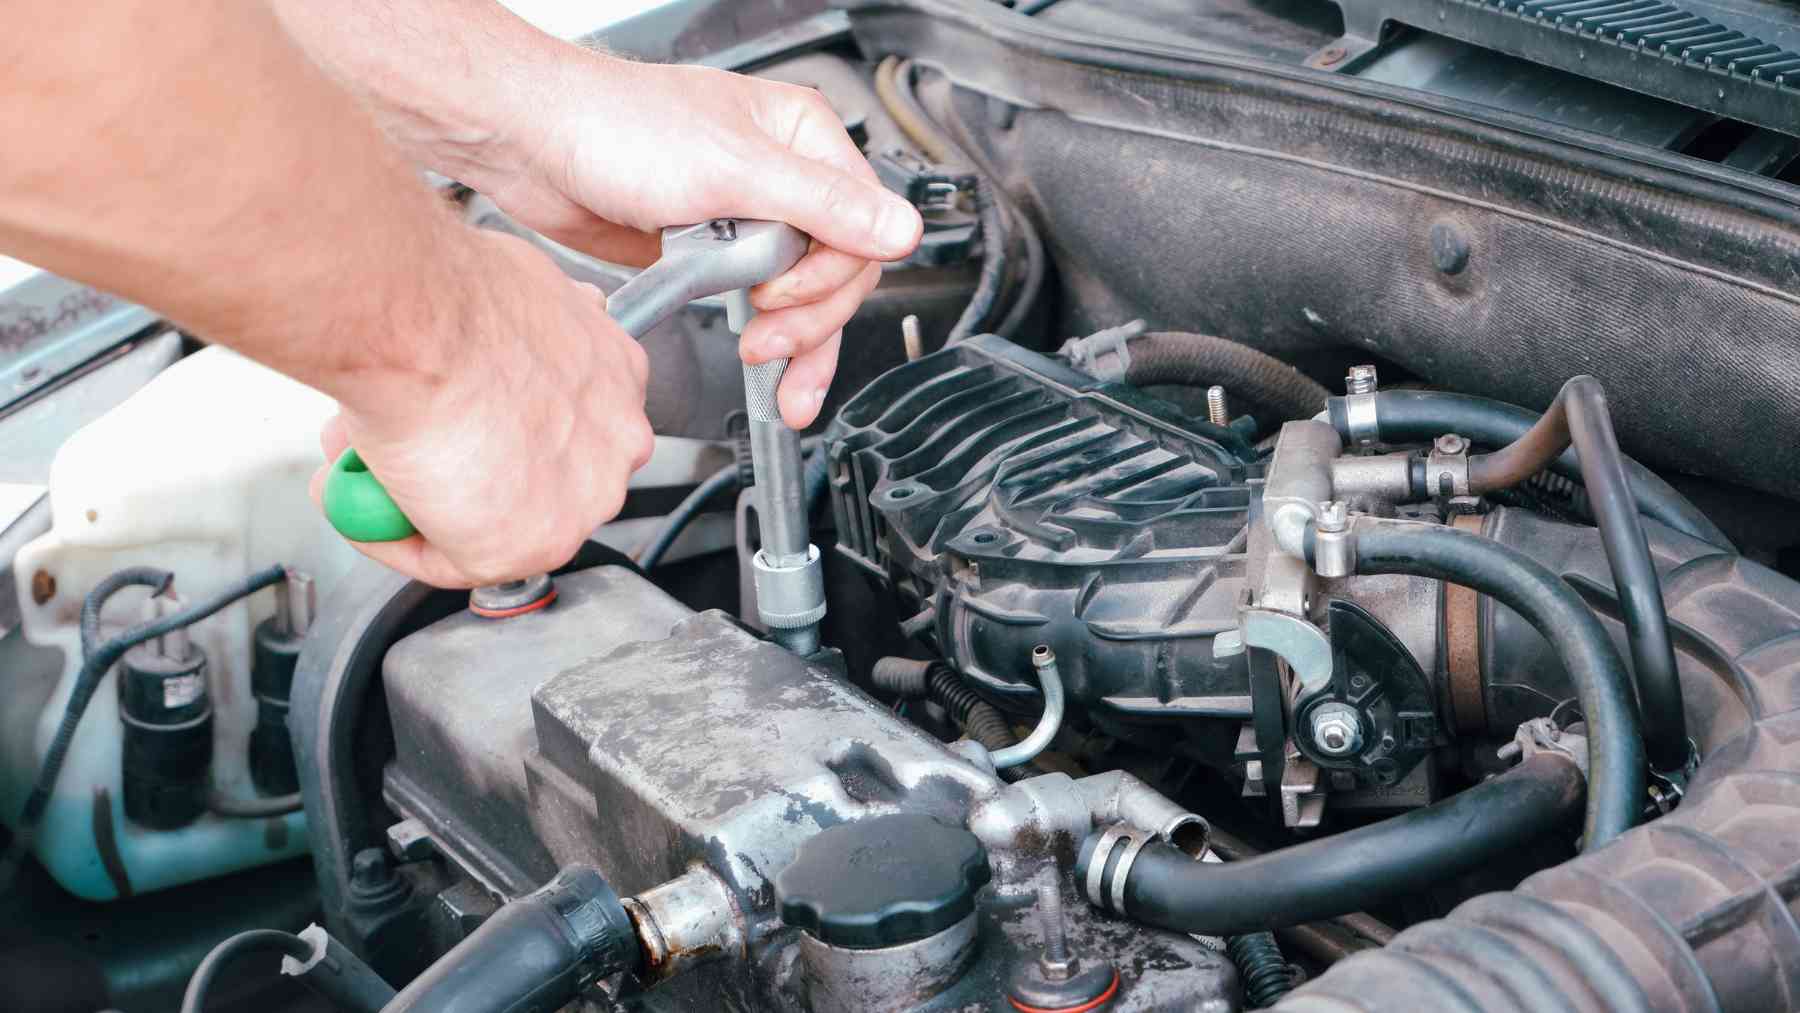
<point x="1418" y="416"/>
<point x="1352" y="871"/>
<point x="1262" y="969"/>
<point x="255" y="940"/>
<point x="994" y="208"/>
<point x="132" y="576"/>
<point x="993" y="266"/>
<point x="1615" y="742"/>
<point x="684" y="513"/>
<point x="93" y="668"/>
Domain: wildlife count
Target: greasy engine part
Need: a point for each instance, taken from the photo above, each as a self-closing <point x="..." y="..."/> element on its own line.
<point x="1023" y="502"/>
<point x="580" y="734"/>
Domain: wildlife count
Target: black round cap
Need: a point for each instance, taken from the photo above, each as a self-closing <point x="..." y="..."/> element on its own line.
<point x="882" y="881"/>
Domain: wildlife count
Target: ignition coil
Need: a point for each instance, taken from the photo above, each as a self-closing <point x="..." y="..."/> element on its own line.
<point x="167" y="713"/>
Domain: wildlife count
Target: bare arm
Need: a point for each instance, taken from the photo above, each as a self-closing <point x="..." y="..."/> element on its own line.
<point x="201" y="165"/>
<point x="600" y="152"/>
<point x="191" y="158"/>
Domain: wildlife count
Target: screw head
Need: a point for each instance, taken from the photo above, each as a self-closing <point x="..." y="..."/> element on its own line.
<point x="1450" y="443"/>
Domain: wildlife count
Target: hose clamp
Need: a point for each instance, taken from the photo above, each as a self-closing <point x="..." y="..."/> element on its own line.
<point x="1541" y="735"/>
<point x="1108" y="892"/>
<point x="1360" y="419"/>
<point x="1447" y="467"/>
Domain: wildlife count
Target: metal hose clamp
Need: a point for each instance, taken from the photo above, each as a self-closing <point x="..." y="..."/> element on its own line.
<point x="1108" y="892"/>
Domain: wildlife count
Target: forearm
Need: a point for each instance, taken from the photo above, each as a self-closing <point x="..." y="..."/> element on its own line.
<point x="196" y="162"/>
<point x="457" y="84"/>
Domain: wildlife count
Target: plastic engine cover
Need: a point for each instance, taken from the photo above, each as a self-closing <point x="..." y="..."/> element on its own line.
<point x="1029" y="503"/>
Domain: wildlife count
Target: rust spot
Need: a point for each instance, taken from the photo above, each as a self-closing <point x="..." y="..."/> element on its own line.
<point x="93" y="515"/>
<point x="1332" y="57"/>
<point x="43" y="587"/>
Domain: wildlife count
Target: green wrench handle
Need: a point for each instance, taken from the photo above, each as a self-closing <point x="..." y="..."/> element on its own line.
<point x="359" y="507"/>
<point x="697" y="261"/>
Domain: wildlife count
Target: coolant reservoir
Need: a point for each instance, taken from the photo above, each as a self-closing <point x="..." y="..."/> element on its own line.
<point x="203" y="473"/>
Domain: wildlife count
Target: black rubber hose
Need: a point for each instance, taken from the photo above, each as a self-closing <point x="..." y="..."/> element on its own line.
<point x="1579" y="417"/>
<point x="93" y="668"/>
<point x="1248" y="375"/>
<point x="1354" y="870"/>
<point x="132" y="576"/>
<point x="253" y="941"/>
<point x="1415" y="416"/>
<point x="1602" y="686"/>
<point x="536" y="953"/>
<point x="1261" y="968"/>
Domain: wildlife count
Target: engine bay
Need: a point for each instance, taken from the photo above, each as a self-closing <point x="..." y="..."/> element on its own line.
<point x="1281" y="543"/>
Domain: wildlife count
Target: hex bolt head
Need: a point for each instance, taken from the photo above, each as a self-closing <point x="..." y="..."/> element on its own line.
<point x="1336" y="729"/>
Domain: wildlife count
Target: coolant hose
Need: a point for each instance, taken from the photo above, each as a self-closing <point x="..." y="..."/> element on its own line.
<point x="1248" y="375"/>
<point x="1616" y="763"/>
<point x="1345" y="872"/>
<point x="1418" y="416"/>
<point x="537" y="953"/>
<point x="1580" y="416"/>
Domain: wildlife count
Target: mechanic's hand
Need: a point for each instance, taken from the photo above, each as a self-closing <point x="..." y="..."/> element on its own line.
<point x="520" y="439"/>
<point x="617" y="150"/>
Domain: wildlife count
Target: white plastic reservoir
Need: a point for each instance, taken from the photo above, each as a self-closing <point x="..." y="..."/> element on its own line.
<point x="203" y="473"/>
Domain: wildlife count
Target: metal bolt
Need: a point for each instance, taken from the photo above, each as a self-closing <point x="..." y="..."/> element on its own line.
<point x="1057" y="963"/>
<point x="1336" y="731"/>
<point x="1450" y="443"/>
<point x="1332" y="57"/>
<point x="1217" y="412"/>
<point x="910" y="337"/>
<point x="1334" y="515"/>
<point x="1361" y="379"/>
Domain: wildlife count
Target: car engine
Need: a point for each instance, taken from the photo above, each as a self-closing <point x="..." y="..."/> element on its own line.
<point x="1309" y="529"/>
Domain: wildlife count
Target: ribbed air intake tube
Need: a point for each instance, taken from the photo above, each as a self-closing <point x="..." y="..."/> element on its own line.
<point x="1346" y="872"/>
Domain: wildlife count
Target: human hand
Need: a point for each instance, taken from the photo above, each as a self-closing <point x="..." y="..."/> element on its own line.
<point x="612" y="151"/>
<point x="517" y="438"/>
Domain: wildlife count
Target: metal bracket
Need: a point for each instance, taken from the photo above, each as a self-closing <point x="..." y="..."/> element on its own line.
<point x="1302" y="645"/>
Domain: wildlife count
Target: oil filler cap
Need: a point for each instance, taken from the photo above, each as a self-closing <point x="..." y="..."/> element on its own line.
<point x="882" y="881"/>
